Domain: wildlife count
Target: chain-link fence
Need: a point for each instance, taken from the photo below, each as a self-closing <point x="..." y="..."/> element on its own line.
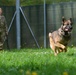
<point x="35" y="17"/>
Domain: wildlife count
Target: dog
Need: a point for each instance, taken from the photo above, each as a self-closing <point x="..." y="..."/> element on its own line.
<point x="59" y="39"/>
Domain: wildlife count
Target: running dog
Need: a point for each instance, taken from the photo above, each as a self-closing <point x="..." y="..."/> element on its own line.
<point x="59" y="39"/>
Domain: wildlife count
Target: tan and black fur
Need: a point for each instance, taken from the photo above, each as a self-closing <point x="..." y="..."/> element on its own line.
<point x="59" y="39"/>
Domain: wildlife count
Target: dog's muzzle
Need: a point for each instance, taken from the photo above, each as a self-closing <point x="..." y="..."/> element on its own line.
<point x="68" y="28"/>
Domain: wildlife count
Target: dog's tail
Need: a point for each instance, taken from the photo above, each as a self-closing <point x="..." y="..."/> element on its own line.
<point x="50" y="35"/>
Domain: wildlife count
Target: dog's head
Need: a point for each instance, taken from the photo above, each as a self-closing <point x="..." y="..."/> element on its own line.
<point x="67" y="25"/>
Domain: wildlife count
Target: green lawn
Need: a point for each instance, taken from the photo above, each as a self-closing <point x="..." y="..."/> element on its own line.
<point x="37" y="62"/>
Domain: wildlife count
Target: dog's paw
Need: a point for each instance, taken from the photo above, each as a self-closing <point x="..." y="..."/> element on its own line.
<point x="61" y="50"/>
<point x="63" y="47"/>
<point x="65" y="50"/>
<point x="55" y="54"/>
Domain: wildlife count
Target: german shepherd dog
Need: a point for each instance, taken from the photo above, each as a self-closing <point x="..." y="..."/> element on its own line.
<point x="59" y="39"/>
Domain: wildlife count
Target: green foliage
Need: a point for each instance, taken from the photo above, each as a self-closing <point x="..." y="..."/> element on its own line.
<point x="40" y="61"/>
<point x="30" y="2"/>
<point x="7" y="2"/>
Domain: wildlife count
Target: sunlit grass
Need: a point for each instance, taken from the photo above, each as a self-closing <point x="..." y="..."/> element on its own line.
<point x="37" y="62"/>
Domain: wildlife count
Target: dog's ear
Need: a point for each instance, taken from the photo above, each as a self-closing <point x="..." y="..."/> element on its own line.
<point x="63" y="20"/>
<point x="71" y="21"/>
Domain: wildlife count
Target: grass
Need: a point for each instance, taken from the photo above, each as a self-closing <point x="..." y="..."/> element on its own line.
<point x="37" y="62"/>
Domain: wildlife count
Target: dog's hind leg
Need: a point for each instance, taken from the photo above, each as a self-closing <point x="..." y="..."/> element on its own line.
<point x="51" y="41"/>
<point x="52" y="44"/>
<point x="65" y="50"/>
<point x="60" y="50"/>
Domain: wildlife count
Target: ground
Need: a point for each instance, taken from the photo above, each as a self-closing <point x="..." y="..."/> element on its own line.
<point x="37" y="62"/>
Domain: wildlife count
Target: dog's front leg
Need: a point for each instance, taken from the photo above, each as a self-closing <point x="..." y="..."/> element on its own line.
<point x="60" y="45"/>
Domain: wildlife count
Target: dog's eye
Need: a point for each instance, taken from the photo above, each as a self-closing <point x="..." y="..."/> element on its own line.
<point x="61" y="31"/>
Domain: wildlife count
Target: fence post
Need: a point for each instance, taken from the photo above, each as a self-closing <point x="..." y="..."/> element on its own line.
<point x="44" y="23"/>
<point x="18" y="24"/>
